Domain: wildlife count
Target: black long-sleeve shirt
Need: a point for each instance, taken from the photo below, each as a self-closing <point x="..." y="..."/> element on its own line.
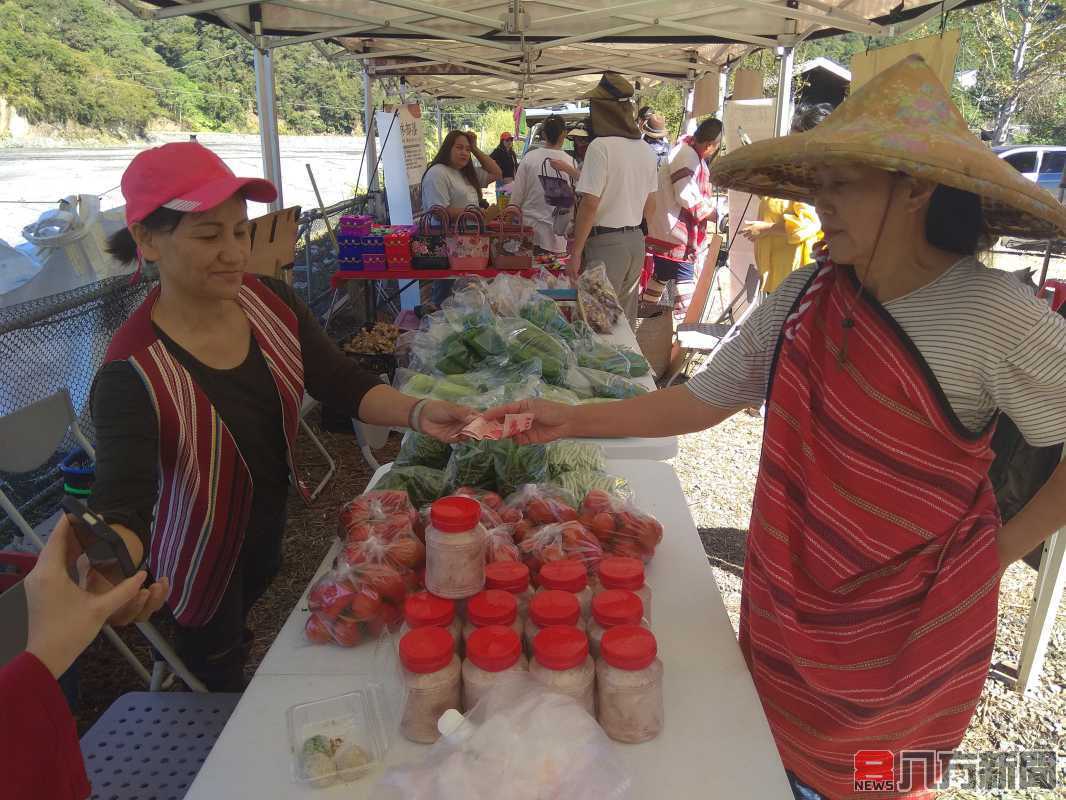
<point x="127" y="431"/>
<point x="505" y="157"/>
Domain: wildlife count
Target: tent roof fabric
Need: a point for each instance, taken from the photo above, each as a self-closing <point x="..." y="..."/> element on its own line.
<point x="541" y="51"/>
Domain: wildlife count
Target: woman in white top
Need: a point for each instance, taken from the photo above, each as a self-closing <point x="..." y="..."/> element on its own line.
<point x="452" y="179"/>
<point x="528" y="194"/>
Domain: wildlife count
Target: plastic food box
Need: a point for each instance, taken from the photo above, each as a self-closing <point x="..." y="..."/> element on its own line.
<point x="356" y="718"/>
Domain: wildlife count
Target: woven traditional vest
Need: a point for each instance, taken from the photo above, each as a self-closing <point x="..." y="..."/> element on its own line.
<point x="205" y="492"/>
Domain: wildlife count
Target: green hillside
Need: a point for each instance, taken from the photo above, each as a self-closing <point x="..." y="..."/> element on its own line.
<point x="91" y="63"/>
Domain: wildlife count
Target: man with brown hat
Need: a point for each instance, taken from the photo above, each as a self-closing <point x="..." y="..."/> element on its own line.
<point x="618" y="180"/>
<point x="653" y="128"/>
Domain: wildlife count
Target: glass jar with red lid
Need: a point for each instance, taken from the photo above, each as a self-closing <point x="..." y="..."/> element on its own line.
<point x="491" y="607"/>
<point x="561" y="662"/>
<point x="431" y="673"/>
<point x="629" y="684"/>
<point x="455" y="548"/>
<point x="491" y="652"/>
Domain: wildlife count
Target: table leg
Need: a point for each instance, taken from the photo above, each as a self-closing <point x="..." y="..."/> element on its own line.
<point x="332" y="305"/>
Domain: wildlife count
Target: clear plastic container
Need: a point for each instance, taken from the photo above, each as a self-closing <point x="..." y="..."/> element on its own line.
<point x="455" y="548"/>
<point x="629" y="685"/>
<point x="611" y="608"/>
<point x="568" y="575"/>
<point x="561" y="662"/>
<point x="551" y="608"/>
<point x="624" y="572"/>
<point x="337" y="739"/>
<point x="425" y="610"/>
<point x="491" y="651"/>
<point x="431" y="673"/>
<point x="513" y="577"/>
<point x="491" y="607"/>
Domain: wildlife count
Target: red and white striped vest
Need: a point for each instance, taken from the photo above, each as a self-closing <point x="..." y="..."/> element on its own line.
<point x="205" y="492"/>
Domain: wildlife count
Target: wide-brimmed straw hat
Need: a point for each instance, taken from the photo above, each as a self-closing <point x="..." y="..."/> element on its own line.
<point x="903" y="120"/>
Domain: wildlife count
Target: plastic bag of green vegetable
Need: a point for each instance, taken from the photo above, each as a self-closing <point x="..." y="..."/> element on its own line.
<point x="600" y="355"/>
<point x="556" y="394"/>
<point x="604" y="384"/>
<point x="416" y="384"/>
<point x="422" y="484"/>
<point x="545" y="314"/>
<point x="470" y="464"/>
<point x="525" y="341"/>
<point x="516" y="465"/>
<point x="570" y="456"/>
<point x="580" y="482"/>
<point x="420" y="450"/>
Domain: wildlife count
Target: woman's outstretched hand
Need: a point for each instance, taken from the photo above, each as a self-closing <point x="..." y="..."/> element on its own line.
<point x="551" y="421"/>
<point x="443" y="420"/>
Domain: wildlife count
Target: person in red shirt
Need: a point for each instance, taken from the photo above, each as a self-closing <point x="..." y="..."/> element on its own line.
<point x="38" y="736"/>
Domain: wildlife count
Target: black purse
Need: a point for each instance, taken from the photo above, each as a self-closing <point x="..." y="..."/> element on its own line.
<point x="558" y="190"/>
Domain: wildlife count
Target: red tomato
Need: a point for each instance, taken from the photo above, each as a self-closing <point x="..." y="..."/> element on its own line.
<point x="373" y="628"/>
<point x="596" y="501"/>
<point x="510" y="515"/>
<point x="406" y="552"/>
<point x="566" y="514"/>
<point x="387" y="583"/>
<point x="330" y="597"/>
<point x="346" y="632"/>
<point x="366" y="604"/>
<point x="316" y="631"/>
<point x="492" y="500"/>
<point x="391" y="615"/>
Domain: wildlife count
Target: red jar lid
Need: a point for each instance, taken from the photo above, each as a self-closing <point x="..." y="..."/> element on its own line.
<point x="628" y="647"/>
<point x="617" y="607"/>
<point x="422" y="609"/>
<point x="567" y="575"/>
<point x="561" y="648"/>
<point x="426" y="650"/>
<point x="553" y="607"/>
<point x="510" y="576"/>
<point x="494" y="648"/>
<point x="621" y="572"/>
<point x="491" y="607"/>
<point x="455" y="514"/>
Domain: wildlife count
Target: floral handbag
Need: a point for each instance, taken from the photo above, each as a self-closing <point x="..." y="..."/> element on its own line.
<point x="429" y="247"/>
<point x="468" y="246"/>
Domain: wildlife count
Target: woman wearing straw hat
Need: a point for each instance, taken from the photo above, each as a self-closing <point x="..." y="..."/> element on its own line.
<point x="197" y="405"/>
<point x="875" y="549"/>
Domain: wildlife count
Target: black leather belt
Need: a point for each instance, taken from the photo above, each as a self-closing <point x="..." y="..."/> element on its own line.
<point x="599" y="230"/>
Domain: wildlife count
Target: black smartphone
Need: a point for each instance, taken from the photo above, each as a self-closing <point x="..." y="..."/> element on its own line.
<point x="98" y="540"/>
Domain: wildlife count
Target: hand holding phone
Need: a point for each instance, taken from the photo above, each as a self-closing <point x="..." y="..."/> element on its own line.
<point x="102" y="545"/>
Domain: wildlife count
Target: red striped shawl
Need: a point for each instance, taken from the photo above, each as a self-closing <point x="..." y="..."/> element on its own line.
<point x="868" y="612"/>
<point x="205" y="491"/>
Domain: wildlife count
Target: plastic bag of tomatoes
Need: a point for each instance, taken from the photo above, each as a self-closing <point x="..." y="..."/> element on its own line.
<point x="352" y="603"/>
<point x="621" y="528"/>
<point x="383" y="512"/>
<point x="558" y="541"/>
<point x="501" y="545"/>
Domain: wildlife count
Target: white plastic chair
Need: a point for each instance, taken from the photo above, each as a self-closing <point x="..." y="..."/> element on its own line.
<point x="31" y="436"/>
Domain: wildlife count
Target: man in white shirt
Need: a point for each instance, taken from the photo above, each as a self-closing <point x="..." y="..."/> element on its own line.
<point x="617" y="187"/>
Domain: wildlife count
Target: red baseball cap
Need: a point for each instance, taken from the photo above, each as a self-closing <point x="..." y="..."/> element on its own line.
<point x="184" y="176"/>
<point x="505" y="136"/>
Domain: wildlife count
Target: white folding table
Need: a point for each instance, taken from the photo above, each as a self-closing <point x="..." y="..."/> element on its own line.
<point x="716" y="742"/>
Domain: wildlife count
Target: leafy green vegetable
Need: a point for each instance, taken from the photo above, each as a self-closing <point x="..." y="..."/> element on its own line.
<point x="422" y="484"/>
<point x="601" y="356"/>
<point x="471" y="464"/>
<point x="419" y="450"/>
<point x="638" y="365"/>
<point x="545" y="314"/>
<point x="525" y="341"/>
<point x="604" y="384"/>
<point x="418" y="385"/>
<point x="485" y="341"/>
<point x="556" y="394"/>
<point x="447" y="389"/>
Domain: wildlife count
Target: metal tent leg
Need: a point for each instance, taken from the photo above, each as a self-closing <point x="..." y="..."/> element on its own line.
<point x="1049" y="585"/>
<point x="268" y="118"/>
<point x="325" y="453"/>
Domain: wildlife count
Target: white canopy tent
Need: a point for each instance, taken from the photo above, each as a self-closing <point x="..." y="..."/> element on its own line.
<point x="532" y="52"/>
<point x="528" y="52"/>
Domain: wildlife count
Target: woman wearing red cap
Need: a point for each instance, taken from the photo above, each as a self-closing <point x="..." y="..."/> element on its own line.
<point x="197" y="404"/>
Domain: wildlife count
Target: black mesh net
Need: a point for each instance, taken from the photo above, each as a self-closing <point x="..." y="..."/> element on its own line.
<point x="53" y="343"/>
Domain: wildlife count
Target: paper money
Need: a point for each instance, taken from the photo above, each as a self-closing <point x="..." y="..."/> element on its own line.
<point x="480" y="428"/>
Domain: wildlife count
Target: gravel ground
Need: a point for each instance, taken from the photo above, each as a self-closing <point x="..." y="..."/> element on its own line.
<point x="717" y="470"/>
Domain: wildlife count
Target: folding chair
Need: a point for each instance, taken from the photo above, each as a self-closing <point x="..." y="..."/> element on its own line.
<point x="698" y="341"/>
<point x="31" y="436"/>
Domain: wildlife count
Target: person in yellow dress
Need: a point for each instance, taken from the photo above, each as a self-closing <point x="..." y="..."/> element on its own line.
<point x="786" y="230"/>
